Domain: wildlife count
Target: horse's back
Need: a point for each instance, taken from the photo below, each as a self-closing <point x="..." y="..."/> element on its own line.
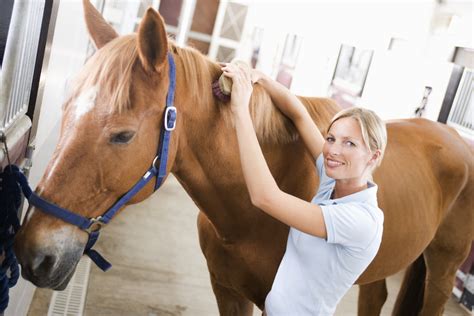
<point x="427" y="167"/>
<point x="447" y="158"/>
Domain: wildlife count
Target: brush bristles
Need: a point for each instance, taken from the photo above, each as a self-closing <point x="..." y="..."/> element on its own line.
<point x="216" y="90"/>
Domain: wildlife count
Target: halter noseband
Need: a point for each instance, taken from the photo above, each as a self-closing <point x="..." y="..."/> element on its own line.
<point x="93" y="225"/>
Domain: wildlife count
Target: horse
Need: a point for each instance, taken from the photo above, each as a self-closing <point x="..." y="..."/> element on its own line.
<point x="109" y="131"/>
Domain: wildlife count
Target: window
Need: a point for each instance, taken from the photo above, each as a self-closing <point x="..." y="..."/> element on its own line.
<point x="461" y="115"/>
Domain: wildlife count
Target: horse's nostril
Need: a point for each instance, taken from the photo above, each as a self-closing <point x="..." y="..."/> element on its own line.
<point x="43" y="265"/>
<point x="36" y="262"/>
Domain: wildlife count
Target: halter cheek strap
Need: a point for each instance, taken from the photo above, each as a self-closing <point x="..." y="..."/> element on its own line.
<point x="93" y="225"/>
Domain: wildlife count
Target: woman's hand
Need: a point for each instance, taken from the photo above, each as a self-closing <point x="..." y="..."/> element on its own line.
<point x="241" y="86"/>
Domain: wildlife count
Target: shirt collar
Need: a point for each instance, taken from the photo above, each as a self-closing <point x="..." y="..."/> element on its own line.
<point x="368" y="195"/>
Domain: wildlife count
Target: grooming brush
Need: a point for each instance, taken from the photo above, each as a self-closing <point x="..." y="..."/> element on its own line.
<point x="222" y="87"/>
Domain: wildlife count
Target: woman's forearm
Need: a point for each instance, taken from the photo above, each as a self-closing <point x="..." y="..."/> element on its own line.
<point x="263" y="189"/>
<point x="258" y="177"/>
<point x="286" y="101"/>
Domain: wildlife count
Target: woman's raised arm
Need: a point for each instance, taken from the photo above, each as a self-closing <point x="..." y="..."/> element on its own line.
<point x="263" y="189"/>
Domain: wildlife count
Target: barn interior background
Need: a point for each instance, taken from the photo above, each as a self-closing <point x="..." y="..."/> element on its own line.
<point x="401" y="58"/>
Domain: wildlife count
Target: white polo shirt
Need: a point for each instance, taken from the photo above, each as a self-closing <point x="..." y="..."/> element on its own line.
<point x="314" y="274"/>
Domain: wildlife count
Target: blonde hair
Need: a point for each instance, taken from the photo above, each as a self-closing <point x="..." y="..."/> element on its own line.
<point x="374" y="132"/>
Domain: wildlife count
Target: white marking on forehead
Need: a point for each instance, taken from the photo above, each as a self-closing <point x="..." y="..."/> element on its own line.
<point x="85" y="102"/>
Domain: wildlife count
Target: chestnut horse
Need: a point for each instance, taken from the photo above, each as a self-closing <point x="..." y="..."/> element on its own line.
<point x="109" y="133"/>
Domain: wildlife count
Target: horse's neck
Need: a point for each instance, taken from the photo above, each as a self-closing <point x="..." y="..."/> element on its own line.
<point x="208" y="164"/>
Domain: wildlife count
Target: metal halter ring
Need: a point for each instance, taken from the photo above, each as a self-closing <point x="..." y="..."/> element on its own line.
<point x="153" y="164"/>
<point x="96" y="225"/>
<point x="167" y="112"/>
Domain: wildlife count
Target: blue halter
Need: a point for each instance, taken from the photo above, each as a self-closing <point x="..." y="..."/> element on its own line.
<point x="93" y="225"/>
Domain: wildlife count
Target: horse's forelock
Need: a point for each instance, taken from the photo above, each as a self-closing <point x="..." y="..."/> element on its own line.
<point x="110" y="71"/>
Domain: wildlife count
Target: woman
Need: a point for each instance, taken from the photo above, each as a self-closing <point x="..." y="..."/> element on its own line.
<point x="334" y="237"/>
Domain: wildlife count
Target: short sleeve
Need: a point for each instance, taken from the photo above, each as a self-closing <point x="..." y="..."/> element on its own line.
<point x="325" y="183"/>
<point x="349" y="224"/>
<point x="319" y="164"/>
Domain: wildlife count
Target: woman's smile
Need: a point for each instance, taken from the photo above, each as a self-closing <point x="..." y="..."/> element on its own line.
<point x="333" y="163"/>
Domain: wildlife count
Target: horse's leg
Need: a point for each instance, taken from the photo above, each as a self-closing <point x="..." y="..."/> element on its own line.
<point x="446" y="252"/>
<point x="442" y="262"/>
<point x="372" y="296"/>
<point x="410" y="297"/>
<point x="230" y="302"/>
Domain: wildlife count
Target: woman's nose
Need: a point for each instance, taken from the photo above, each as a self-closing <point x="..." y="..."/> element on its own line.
<point x="335" y="149"/>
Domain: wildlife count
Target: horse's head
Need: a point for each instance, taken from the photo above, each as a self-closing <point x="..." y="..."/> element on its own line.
<point x="110" y="129"/>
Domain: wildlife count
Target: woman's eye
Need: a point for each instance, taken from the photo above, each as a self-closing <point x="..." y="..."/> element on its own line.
<point x="330" y="139"/>
<point x="122" y="137"/>
<point x="349" y="143"/>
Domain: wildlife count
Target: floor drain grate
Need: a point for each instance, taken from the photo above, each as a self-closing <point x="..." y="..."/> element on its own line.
<point x="70" y="302"/>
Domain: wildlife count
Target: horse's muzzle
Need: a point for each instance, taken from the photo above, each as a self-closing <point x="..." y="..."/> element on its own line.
<point x="47" y="267"/>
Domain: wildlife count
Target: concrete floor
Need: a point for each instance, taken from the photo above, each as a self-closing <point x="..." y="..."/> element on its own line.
<point x="158" y="267"/>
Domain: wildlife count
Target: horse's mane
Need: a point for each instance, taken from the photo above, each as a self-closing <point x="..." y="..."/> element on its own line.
<point x="111" y="68"/>
<point x="270" y="124"/>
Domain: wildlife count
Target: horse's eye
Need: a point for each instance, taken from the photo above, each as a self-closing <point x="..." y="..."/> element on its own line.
<point x="122" y="137"/>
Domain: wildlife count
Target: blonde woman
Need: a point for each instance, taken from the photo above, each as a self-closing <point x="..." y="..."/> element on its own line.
<point x="334" y="237"/>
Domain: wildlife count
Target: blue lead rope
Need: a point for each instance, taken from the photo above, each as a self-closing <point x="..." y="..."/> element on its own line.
<point x="10" y="202"/>
<point x="93" y="225"/>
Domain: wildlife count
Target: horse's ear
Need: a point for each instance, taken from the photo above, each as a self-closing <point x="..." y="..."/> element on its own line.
<point x="152" y="41"/>
<point x="99" y="30"/>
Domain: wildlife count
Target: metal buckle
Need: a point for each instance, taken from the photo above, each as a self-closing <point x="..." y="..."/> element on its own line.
<point x="153" y="164"/>
<point x="96" y="225"/>
<point x="168" y="109"/>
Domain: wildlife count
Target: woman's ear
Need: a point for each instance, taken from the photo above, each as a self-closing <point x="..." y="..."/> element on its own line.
<point x="375" y="157"/>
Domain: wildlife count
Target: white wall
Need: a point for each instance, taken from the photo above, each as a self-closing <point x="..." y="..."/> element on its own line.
<point x="395" y="83"/>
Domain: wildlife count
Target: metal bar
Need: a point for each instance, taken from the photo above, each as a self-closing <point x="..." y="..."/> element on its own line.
<point x="462" y="105"/>
<point x="450" y="95"/>
<point x="463" y="100"/>
<point x="458" y="100"/>
<point x="48" y="24"/>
